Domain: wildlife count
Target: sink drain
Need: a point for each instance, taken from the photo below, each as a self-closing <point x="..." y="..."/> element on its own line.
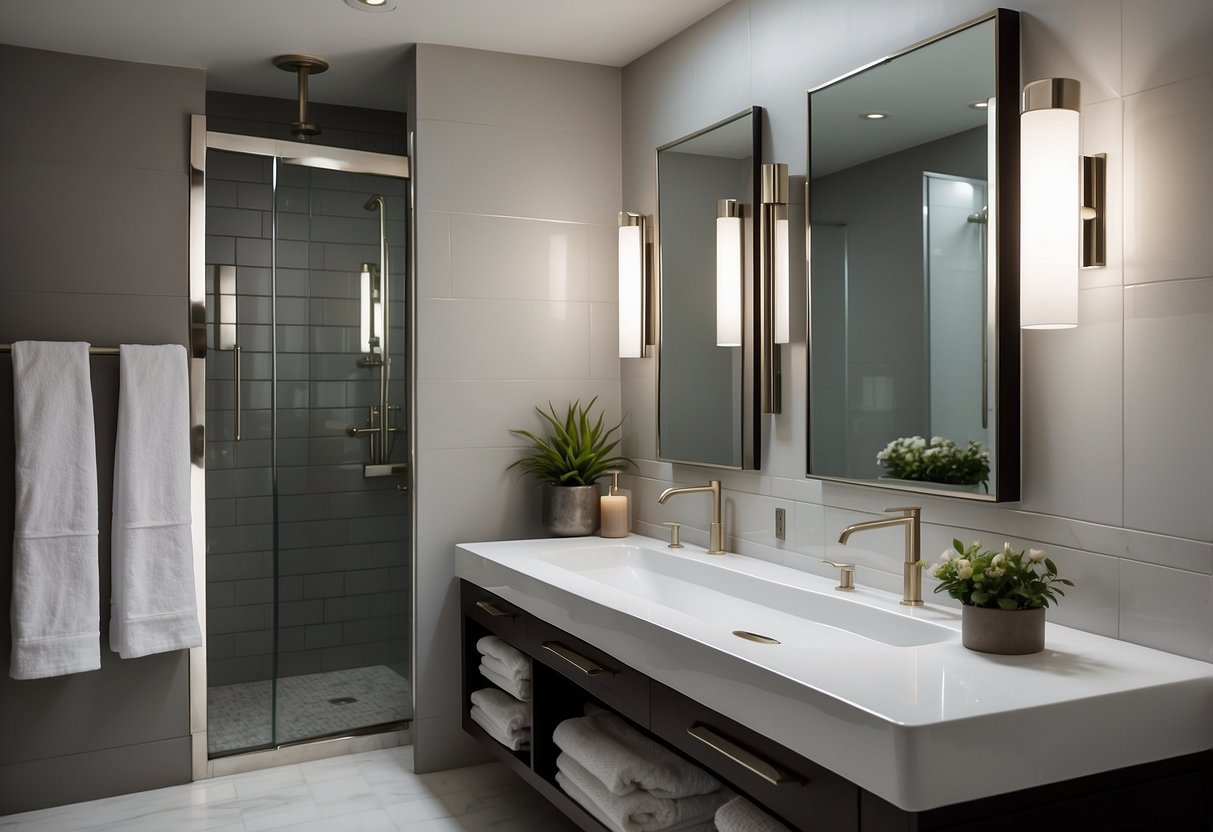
<point x="343" y="700"/>
<point x="761" y="639"/>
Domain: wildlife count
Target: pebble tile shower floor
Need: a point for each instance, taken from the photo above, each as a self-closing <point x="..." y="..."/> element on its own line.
<point x="313" y="705"/>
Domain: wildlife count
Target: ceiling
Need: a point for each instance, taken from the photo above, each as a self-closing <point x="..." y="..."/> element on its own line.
<point x="234" y="40"/>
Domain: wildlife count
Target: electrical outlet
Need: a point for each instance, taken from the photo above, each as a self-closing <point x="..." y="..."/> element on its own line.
<point x="781" y="524"/>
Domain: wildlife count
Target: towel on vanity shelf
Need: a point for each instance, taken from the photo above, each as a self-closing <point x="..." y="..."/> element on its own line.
<point x="519" y="690"/>
<point x="514" y="674"/>
<point x="516" y="741"/>
<point x="153" y="599"/>
<point x="639" y="810"/>
<point x="503" y="709"/>
<point x="517" y="665"/>
<point x="740" y="815"/>
<point x="56" y="608"/>
<point x="625" y="760"/>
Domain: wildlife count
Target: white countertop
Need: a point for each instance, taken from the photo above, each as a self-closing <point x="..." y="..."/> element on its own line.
<point x="920" y="726"/>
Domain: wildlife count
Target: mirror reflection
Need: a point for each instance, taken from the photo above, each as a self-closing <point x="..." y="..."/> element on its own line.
<point x="706" y="190"/>
<point x="903" y="387"/>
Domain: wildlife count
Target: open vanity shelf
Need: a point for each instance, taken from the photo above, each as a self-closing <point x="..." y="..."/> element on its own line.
<point x="568" y="673"/>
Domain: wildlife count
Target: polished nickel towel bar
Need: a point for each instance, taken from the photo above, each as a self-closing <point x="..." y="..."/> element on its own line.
<point x="91" y="350"/>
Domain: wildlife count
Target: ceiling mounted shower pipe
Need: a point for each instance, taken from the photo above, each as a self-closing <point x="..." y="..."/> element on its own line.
<point x="303" y="66"/>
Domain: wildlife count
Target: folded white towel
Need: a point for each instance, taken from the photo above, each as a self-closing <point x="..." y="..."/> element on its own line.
<point x="154" y="600"/>
<point x="640" y="811"/>
<point x="625" y="760"/>
<point x="503" y="709"/>
<point x="516" y="741"/>
<point x="740" y="815"/>
<point x="56" y="608"/>
<point x="519" y="690"/>
<point x="513" y="673"/>
<point x="517" y="662"/>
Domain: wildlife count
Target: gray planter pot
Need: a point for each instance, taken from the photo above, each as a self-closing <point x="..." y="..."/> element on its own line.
<point x="571" y="510"/>
<point x="1005" y="632"/>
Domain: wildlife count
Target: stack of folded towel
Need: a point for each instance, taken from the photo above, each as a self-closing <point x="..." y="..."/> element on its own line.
<point x="505" y="667"/>
<point x="740" y="815"/>
<point x="504" y="718"/>
<point x="631" y="783"/>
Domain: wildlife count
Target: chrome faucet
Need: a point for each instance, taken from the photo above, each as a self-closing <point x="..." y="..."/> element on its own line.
<point x="716" y="530"/>
<point x="911" y="587"/>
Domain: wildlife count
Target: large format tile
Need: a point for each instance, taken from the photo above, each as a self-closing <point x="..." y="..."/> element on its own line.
<point x="1078" y="39"/>
<point x="1167" y="609"/>
<point x="1170" y="42"/>
<point x="520" y="259"/>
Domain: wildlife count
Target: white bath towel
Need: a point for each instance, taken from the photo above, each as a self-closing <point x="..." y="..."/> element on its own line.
<point x="519" y="690"/>
<point x="625" y="760"/>
<point x="153" y="601"/>
<point x="740" y="815"/>
<point x="517" y="741"/>
<point x="519" y="665"/>
<point x="640" y="811"/>
<point x="503" y="709"/>
<point x="56" y="607"/>
<point x="514" y="673"/>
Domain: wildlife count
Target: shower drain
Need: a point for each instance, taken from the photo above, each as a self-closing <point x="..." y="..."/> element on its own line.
<point x="343" y="700"/>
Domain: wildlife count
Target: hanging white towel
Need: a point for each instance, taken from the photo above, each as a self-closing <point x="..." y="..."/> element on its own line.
<point x="740" y="815"/>
<point x="516" y="662"/>
<point x="56" y="609"/>
<point x="153" y="605"/>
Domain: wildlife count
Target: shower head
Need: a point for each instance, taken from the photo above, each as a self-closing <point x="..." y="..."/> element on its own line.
<point x="374" y="202"/>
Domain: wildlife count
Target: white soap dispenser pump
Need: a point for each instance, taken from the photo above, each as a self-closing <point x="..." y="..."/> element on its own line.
<point x="614" y="513"/>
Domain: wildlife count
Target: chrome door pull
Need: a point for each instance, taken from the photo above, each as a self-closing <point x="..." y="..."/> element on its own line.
<point x="586" y="666"/>
<point x="748" y="760"/>
<point x="491" y="608"/>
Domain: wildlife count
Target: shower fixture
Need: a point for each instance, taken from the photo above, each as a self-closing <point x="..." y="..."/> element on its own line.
<point x="303" y="66"/>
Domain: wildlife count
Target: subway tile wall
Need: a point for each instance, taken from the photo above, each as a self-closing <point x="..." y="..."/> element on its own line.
<point x="344" y="582"/>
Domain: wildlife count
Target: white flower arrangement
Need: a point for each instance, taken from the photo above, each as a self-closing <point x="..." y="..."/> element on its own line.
<point x="1007" y="580"/>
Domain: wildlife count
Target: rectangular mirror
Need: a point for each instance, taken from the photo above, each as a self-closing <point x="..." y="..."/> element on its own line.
<point x="913" y="267"/>
<point x="707" y="191"/>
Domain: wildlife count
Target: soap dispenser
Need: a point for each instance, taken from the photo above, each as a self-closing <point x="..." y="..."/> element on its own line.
<point x="614" y="513"/>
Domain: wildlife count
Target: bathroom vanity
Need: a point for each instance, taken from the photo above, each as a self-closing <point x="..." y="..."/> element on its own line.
<point x="838" y="711"/>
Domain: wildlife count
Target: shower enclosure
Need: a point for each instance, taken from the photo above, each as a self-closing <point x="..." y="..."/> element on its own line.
<point x="308" y="573"/>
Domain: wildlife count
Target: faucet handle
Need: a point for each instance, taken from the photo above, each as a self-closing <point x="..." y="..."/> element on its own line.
<point x="846" y="580"/>
<point x="674" y="529"/>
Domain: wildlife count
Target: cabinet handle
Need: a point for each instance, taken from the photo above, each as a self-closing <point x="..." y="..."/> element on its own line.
<point x="489" y="607"/>
<point x="765" y="769"/>
<point x="577" y="660"/>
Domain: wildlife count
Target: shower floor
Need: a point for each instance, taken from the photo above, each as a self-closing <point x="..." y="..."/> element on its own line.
<point x="313" y="705"/>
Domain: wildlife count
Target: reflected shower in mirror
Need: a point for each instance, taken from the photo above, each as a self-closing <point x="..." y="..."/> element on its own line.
<point x="913" y="369"/>
<point x="707" y="192"/>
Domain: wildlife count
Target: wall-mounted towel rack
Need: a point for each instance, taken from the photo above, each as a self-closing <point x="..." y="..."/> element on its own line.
<point x="91" y="350"/>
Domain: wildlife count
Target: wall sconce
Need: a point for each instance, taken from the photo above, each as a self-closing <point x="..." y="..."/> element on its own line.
<point x="635" y="310"/>
<point x="1062" y="220"/>
<point x="773" y="300"/>
<point x="225" y="337"/>
<point x="372" y="315"/>
<point x="728" y="273"/>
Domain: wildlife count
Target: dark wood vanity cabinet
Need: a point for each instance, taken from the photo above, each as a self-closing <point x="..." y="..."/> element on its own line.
<point x="568" y="673"/>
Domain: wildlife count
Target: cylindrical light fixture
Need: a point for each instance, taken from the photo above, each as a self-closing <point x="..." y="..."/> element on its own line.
<point x="633" y="296"/>
<point x="371" y="309"/>
<point x="728" y="273"/>
<point x="1050" y="202"/>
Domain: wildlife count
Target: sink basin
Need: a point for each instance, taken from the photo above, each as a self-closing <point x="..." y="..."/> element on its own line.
<point x="744" y="604"/>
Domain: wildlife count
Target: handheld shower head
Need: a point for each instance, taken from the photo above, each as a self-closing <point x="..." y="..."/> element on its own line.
<point x="374" y="202"/>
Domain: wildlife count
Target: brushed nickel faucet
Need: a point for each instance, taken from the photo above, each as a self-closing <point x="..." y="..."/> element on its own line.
<point x="911" y="586"/>
<point x="716" y="529"/>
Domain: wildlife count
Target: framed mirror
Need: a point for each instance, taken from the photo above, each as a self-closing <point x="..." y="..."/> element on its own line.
<point x="914" y="267"/>
<point x="707" y="191"/>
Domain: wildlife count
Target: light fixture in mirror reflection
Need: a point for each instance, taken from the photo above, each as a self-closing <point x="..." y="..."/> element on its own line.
<point x="913" y="303"/>
<point x="709" y="265"/>
<point x="633" y="283"/>
<point x="372" y="310"/>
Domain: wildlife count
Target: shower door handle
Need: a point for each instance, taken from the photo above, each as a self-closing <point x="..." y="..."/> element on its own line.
<point x="238" y="409"/>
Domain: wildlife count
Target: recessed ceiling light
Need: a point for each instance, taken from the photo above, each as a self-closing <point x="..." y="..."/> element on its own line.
<point x="372" y="5"/>
<point x="873" y="116"/>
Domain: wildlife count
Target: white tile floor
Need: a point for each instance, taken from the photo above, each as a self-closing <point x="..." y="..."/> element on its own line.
<point x="374" y="791"/>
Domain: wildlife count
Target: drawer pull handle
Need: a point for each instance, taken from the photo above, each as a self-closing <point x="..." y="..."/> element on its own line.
<point x="768" y="771"/>
<point x="494" y="610"/>
<point x="577" y="660"/>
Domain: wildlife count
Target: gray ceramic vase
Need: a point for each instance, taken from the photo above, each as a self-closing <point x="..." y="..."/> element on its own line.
<point x="571" y="510"/>
<point x="1005" y="632"/>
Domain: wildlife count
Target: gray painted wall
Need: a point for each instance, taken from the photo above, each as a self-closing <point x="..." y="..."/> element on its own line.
<point x="93" y="227"/>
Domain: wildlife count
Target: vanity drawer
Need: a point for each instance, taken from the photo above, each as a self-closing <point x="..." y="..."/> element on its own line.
<point x="499" y="617"/>
<point x="613" y="683"/>
<point x="803" y="793"/>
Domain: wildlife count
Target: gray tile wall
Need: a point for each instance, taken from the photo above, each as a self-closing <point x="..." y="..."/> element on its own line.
<point x="93" y="227"/>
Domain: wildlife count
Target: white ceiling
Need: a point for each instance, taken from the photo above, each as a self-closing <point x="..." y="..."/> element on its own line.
<point x="234" y="40"/>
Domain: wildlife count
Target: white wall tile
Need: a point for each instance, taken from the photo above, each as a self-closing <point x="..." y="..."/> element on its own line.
<point x="602" y="268"/>
<point x="506" y="257"/>
<point x="1169" y="407"/>
<point x="1073" y="39"/>
<point x="1167" y="609"/>
<point x="434" y="254"/>
<point x="604" y="341"/>
<point x="1168" y="182"/>
<point x="1168" y="41"/>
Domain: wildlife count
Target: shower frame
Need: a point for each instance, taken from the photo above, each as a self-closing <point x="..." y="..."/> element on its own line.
<point x="310" y="155"/>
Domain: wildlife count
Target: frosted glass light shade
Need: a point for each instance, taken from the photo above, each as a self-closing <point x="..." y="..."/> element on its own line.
<point x="728" y="281"/>
<point x="631" y="287"/>
<point x="367" y="336"/>
<point x="1050" y="224"/>
<point x="780" y="311"/>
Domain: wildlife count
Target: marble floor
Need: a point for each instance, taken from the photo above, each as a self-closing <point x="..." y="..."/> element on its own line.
<point x="373" y="791"/>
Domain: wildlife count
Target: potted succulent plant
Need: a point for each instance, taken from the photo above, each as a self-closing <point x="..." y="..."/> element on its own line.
<point x="1003" y="595"/>
<point x="568" y="463"/>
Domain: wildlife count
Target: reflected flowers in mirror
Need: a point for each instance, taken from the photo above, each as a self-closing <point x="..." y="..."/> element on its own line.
<point x="940" y="460"/>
